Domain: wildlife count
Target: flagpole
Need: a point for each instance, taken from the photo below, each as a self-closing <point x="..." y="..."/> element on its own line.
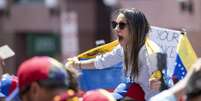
<point x="183" y="31"/>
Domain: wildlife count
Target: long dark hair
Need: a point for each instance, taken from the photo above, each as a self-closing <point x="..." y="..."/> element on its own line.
<point x="138" y="27"/>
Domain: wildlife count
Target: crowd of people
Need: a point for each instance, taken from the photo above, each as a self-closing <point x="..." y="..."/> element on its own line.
<point x="42" y="78"/>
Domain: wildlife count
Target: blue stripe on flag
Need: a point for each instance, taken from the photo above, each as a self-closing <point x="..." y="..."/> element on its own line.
<point x="102" y="78"/>
<point x="179" y="71"/>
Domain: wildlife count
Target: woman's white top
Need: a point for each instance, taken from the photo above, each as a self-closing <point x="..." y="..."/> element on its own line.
<point x="110" y="58"/>
<point x="116" y="56"/>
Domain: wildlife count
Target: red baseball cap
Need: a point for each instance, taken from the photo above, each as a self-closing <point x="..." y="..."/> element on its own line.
<point x="45" y="69"/>
<point x="98" y="95"/>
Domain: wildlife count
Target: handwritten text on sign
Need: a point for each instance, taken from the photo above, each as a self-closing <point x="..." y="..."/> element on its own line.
<point x="166" y="39"/>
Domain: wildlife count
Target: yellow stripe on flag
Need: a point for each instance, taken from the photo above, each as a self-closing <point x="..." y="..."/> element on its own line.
<point x="99" y="50"/>
<point x="186" y="52"/>
<point x="151" y="46"/>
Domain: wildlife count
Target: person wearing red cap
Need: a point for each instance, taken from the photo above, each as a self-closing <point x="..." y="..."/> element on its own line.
<point x="42" y="78"/>
<point x="98" y="95"/>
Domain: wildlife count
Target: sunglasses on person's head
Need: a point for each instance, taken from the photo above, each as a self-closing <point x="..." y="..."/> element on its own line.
<point x="121" y="25"/>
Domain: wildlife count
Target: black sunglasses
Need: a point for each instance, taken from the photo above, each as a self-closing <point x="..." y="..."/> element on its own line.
<point x="121" y="25"/>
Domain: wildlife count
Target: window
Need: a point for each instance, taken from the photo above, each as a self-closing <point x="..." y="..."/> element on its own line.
<point x="43" y="44"/>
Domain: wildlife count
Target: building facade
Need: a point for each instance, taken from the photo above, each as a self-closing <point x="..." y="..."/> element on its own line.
<point x="58" y="28"/>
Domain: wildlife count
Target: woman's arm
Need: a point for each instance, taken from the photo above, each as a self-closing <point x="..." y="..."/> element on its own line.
<point x="84" y="64"/>
<point x="100" y="62"/>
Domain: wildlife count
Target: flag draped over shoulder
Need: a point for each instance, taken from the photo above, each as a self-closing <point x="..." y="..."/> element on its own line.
<point x="98" y="50"/>
<point x="186" y="56"/>
<point x="107" y="78"/>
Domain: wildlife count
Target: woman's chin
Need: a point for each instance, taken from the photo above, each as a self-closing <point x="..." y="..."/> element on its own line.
<point x="122" y="43"/>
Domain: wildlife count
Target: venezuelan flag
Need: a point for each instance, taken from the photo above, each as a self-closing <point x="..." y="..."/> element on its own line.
<point x="98" y="50"/>
<point x="186" y="56"/>
<point x="107" y="78"/>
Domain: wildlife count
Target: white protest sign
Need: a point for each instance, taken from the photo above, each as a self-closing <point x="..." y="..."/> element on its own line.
<point x="6" y="52"/>
<point x="167" y="40"/>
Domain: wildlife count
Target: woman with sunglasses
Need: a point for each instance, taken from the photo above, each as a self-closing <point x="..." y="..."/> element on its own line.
<point x="131" y="27"/>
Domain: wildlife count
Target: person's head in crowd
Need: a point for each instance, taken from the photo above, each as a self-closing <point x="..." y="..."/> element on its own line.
<point x="73" y="77"/>
<point x="131" y="27"/>
<point x="73" y="92"/>
<point x="98" y="95"/>
<point x="69" y="95"/>
<point x="8" y="84"/>
<point x="42" y="78"/>
<point x="193" y="89"/>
